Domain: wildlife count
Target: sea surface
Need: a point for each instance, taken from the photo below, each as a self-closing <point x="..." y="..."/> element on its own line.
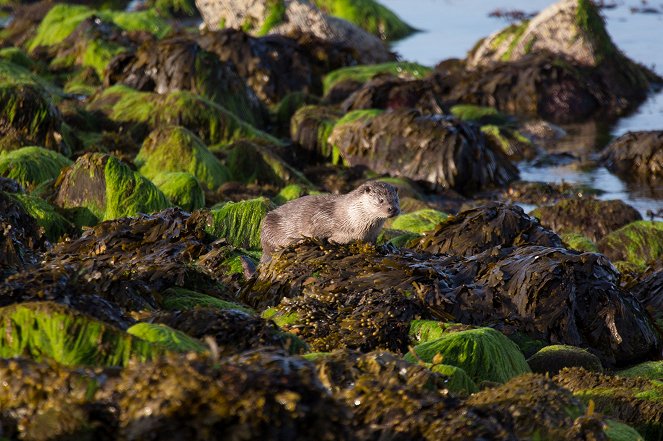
<point x="450" y="28"/>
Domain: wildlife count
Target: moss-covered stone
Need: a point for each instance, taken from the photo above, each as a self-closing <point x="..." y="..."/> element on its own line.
<point x="579" y="242"/>
<point x="55" y="226"/>
<point x="176" y="149"/>
<point x="108" y="188"/>
<point x="18" y="57"/>
<point x="289" y="193"/>
<point x="649" y="369"/>
<point x="418" y="222"/>
<point x="458" y="380"/>
<point x="46" y="330"/>
<point x="554" y="358"/>
<point x="182" y="189"/>
<point x="180" y="299"/>
<point x="364" y="73"/>
<point x="166" y="337"/>
<point x="618" y="431"/>
<point x="30" y="166"/>
<point x="480" y="114"/>
<point x="422" y="331"/>
<point x="177" y="7"/>
<point x="638" y="243"/>
<point x="510" y="141"/>
<point x="311" y="126"/>
<point x="484" y="353"/>
<point x="239" y="222"/>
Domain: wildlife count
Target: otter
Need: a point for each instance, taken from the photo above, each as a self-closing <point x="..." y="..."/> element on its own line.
<point x="358" y="215"/>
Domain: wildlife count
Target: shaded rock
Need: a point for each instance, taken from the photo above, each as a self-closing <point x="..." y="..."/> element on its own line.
<point x="21" y="241"/>
<point x="107" y="188"/>
<point x="636" y="401"/>
<point x="649" y="291"/>
<point x="636" y="155"/>
<point x="233" y="331"/>
<point x="310" y="128"/>
<point x="182" y="189"/>
<point x="176" y="149"/>
<point x="553" y="359"/>
<point x="51" y="223"/>
<point x="363" y="73"/>
<point x="292" y="17"/>
<point x="484" y="354"/>
<point x="441" y="151"/>
<point x="479" y="229"/>
<point x="179" y="63"/>
<point x="588" y="216"/>
<point x="30" y="166"/>
<point x="638" y="243"/>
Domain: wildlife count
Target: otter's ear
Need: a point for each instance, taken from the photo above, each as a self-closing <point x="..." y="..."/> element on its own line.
<point x="367" y="189"/>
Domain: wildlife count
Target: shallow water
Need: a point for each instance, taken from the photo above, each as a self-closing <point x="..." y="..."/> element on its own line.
<point x="449" y="29"/>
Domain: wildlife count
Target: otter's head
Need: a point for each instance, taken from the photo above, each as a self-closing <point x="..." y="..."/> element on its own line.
<point x="380" y="199"/>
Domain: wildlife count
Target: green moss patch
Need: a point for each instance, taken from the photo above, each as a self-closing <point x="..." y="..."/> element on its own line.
<point x="181" y="189"/>
<point x="554" y="358"/>
<point x="638" y="243"/>
<point x="47" y="330"/>
<point x="618" y="431"/>
<point x="166" y="337"/>
<point x="275" y="15"/>
<point x="364" y="73"/>
<point x="484" y="353"/>
<point x="419" y="221"/>
<point x="649" y="369"/>
<point x="480" y="114"/>
<point x="55" y="225"/>
<point x="579" y="242"/>
<point x="458" y="380"/>
<point x="422" y="331"/>
<point x="239" y="222"/>
<point x="30" y="166"/>
<point x="180" y="299"/>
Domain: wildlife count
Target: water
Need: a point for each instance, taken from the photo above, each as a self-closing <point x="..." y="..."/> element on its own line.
<point x="450" y="28"/>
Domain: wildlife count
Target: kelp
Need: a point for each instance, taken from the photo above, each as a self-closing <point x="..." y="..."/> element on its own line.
<point x="389" y="93"/>
<point x="310" y="128"/>
<point x="181" y="299"/>
<point x="22" y="240"/>
<point x="30" y="166"/>
<point x="166" y="337"/>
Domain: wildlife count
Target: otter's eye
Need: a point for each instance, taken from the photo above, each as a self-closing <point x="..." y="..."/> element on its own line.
<point x="368" y="189"/>
<point x="381" y="200"/>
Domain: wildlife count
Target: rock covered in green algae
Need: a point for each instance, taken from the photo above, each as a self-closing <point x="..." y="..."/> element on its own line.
<point x="166" y="337"/>
<point x="638" y="243"/>
<point x="239" y="222"/>
<point x="484" y="354"/>
<point x="479" y="229"/>
<point x="179" y="63"/>
<point x="363" y="73"/>
<point x="52" y="223"/>
<point x="591" y="217"/>
<point x="180" y="299"/>
<point x="182" y="189"/>
<point x="579" y="242"/>
<point x="649" y="369"/>
<point x="176" y="149"/>
<point x="636" y="401"/>
<point x="107" y="188"/>
<point x="636" y="155"/>
<point x="30" y="166"/>
<point x="310" y="128"/>
<point x="554" y="358"/>
<point x="418" y="221"/>
<point x="441" y="151"/>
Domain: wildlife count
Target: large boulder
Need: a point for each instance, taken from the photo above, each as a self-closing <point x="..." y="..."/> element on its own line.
<point x="639" y="243"/>
<point x="439" y="150"/>
<point x="636" y="155"/>
<point x="30" y="166"/>
<point x="21" y="240"/>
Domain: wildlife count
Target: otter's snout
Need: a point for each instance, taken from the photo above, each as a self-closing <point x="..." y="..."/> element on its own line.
<point x="393" y="211"/>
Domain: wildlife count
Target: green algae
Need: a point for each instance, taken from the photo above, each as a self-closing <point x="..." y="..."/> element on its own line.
<point x="422" y="331"/>
<point x="54" y="224"/>
<point x="63" y="19"/>
<point x="30" y="166"/>
<point x="311" y="126"/>
<point x="289" y="193"/>
<point x="638" y="243"/>
<point x="458" y="380"/>
<point x="364" y="73"/>
<point x="176" y="149"/>
<point x="516" y="32"/>
<point x="184" y="7"/>
<point x="589" y="20"/>
<point x="368" y="15"/>
<point x="579" y="242"/>
<point x="181" y="189"/>
<point x="484" y="353"/>
<point x="98" y="53"/>
<point x="46" y="330"/>
<point x="480" y="114"/>
<point x="551" y="359"/>
<point x="649" y="369"/>
<point x="166" y="337"/>
<point x="274" y="16"/>
<point x="419" y="221"/>
<point x="180" y="299"/>
<point x="618" y="431"/>
<point x="282" y="319"/>
<point x="239" y="222"/>
<point x="18" y="57"/>
<point x="16" y="74"/>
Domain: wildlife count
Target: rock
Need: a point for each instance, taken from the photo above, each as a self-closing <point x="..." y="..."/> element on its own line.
<point x="635" y="401"/>
<point x="639" y="243"/>
<point x="51" y="223"/>
<point x="30" y="166"/>
<point x="459" y="382"/>
<point x="440" y="151"/>
<point x="107" y="188"/>
<point x="484" y="354"/>
<point x="363" y="73"/>
<point x="636" y="155"/>
<point x="554" y="358"/>
<point x="477" y="230"/>
<point x="292" y="17"/>
<point x="591" y="217"/>
<point x="182" y="190"/>
<point x="176" y="149"/>
<point x="579" y="242"/>
<point x="310" y="128"/>
<point x="649" y="291"/>
<point x="179" y="63"/>
<point x="419" y="221"/>
<point x="482" y="115"/>
<point x="21" y="240"/>
<point x="649" y="369"/>
<point x="239" y="222"/>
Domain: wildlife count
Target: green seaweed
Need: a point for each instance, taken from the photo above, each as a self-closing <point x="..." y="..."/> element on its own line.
<point x="30" y="166"/>
<point x="18" y="57"/>
<point x="239" y="222"/>
<point x="579" y="242"/>
<point x="458" y="381"/>
<point x="517" y="32"/>
<point x="166" y="337"/>
<point x="364" y="73"/>
<point x="419" y="221"/>
<point x="179" y="299"/>
<point x="649" y="369"/>
<point x="422" y="331"/>
<point x="481" y="114"/>
<point x="184" y="7"/>
<point x="47" y="330"/>
<point x="618" y="431"/>
<point x="484" y="353"/>
<point x="182" y="189"/>
<point x="553" y="358"/>
<point x="275" y="15"/>
<point x="54" y="224"/>
<point x="637" y="243"/>
<point x="98" y="53"/>
<point x="282" y="319"/>
<point x="289" y="193"/>
<point x="589" y="20"/>
<point x="15" y="74"/>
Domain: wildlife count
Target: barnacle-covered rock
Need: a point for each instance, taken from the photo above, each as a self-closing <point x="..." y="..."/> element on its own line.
<point x="591" y="217"/>
<point x="441" y="151"/>
<point x="30" y="166"/>
<point x="554" y="358"/>
<point x="182" y="189"/>
<point x="636" y="155"/>
<point x="638" y="243"/>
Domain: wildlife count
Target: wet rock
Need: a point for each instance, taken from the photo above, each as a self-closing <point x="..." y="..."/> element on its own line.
<point x="484" y="354"/>
<point x="418" y="221"/>
<point x="30" y="166"/>
<point x="176" y="149"/>
<point x="107" y="188"/>
<point x="649" y="291"/>
<point x="288" y="17"/>
<point x="588" y="216"/>
<point x="51" y="224"/>
<point x="182" y="189"/>
<point x="21" y="241"/>
<point x="638" y="243"/>
<point x="233" y="331"/>
<point x="310" y="128"/>
<point x="636" y="401"/>
<point x="179" y="63"/>
<point x="636" y="155"/>
<point x="541" y="193"/>
<point x="579" y="242"/>
<point x="239" y="222"/>
<point x="363" y="73"/>
<point x="440" y="151"/>
<point x="474" y="231"/>
<point x="554" y="358"/>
